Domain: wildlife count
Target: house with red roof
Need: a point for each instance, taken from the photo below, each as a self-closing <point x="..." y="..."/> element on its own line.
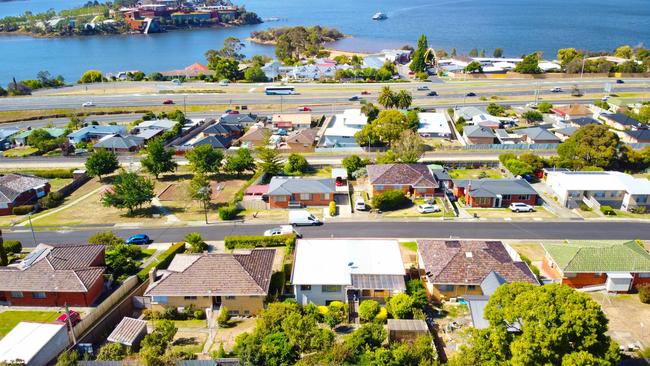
<point x="413" y="179"/>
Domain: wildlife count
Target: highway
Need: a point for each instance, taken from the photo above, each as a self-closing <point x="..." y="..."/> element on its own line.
<point x="384" y="229"/>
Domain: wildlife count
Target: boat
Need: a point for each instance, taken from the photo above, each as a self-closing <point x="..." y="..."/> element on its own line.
<point x="379" y="16"/>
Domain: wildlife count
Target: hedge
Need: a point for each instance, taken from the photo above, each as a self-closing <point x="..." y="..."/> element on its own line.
<point x="389" y="200"/>
<point x="259" y="241"/>
<point x="13" y="246"/>
<point x="644" y="293"/>
<point x="240" y="193"/>
<point x="607" y="210"/>
<point x="163" y="260"/>
<point x="332" y="208"/>
<point x="52" y="173"/>
<point x="22" y="210"/>
<point x="228" y="212"/>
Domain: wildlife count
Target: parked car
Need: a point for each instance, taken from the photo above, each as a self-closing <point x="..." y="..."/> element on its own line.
<point x="233" y="112"/>
<point x="423" y="87"/>
<point x="302" y="217"/>
<point x="304" y="109"/>
<point x="365" y="92"/>
<point x="168" y="101"/>
<point x="532" y="105"/>
<point x="282" y="230"/>
<point x="432" y="94"/>
<point x="138" y="239"/>
<point x="521" y="207"/>
<point x="556" y="90"/>
<point x="339" y="182"/>
<point x="74" y="318"/>
<point x="428" y="208"/>
<point x="227" y="111"/>
<point x="177" y="82"/>
<point x="354" y="98"/>
<point x="360" y="204"/>
<point x="605" y="98"/>
<point x="88" y="104"/>
<point x="224" y="82"/>
<point x="470" y="94"/>
<point x="619" y="81"/>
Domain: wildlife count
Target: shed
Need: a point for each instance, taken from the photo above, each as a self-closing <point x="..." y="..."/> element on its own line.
<point x="36" y="344"/>
<point x="129" y="332"/>
<point x="400" y="330"/>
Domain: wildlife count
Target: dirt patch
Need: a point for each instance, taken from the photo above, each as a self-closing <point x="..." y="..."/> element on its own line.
<point x="223" y="192"/>
<point x="629" y="319"/>
<point x="172" y="192"/>
<point x="227" y="335"/>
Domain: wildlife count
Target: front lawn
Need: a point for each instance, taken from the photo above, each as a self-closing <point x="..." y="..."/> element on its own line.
<point x="505" y="213"/>
<point x="20" y="152"/>
<point x="9" y="319"/>
<point x="491" y="173"/>
<point x="412" y="211"/>
<point x="630" y="215"/>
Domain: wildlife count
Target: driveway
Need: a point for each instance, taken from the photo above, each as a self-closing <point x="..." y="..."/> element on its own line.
<point x="551" y="205"/>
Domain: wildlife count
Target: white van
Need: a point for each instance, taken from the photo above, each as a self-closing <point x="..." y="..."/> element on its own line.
<point x="302" y="217"/>
<point x="360" y="204"/>
<point x="282" y="230"/>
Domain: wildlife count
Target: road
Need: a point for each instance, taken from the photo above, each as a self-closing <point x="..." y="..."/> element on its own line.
<point x="387" y="229"/>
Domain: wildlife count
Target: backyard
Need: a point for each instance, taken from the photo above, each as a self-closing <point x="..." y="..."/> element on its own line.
<point x="480" y="173"/>
<point x="9" y="319"/>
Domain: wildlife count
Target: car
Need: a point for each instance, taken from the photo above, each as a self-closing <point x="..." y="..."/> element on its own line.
<point x="138" y="239"/>
<point x="365" y="92"/>
<point x="74" y="318"/>
<point x="556" y="90"/>
<point x="532" y="105"/>
<point x="168" y="101"/>
<point x="605" y="98"/>
<point x="233" y="112"/>
<point x="354" y="98"/>
<point x="360" y="204"/>
<point x="177" y="82"/>
<point x="282" y="230"/>
<point x="340" y="182"/>
<point x="423" y="87"/>
<point x="521" y="207"/>
<point x="411" y="73"/>
<point x="432" y="94"/>
<point x="619" y="81"/>
<point x="428" y="208"/>
<point x="227" y="111"/>
<point x="470" y="94"/>
<point x="304" y="109"/>
<point x="224" y="82"/>
<point x="88" y="104"/>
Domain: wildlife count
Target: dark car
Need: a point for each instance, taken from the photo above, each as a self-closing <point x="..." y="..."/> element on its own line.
<point x="365" y="92"/>
<point x="432" y="94"/>
<point x="138" y="239"/>
<point x="470" y="94"/>
<point x="619" y="81"/>
<point x="168" y="101"/>
<point x="354" y="98"/>
<point x="74" y="318"/>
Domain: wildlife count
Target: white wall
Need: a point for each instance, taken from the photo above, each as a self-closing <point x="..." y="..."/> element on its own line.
<point x="316" y="296"/>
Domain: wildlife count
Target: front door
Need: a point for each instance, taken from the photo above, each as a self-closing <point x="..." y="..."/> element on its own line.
<point x="216" y="301"/>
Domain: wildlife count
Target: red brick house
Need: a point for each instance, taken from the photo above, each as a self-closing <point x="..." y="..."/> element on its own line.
<point x="618" y="267"/>
<point x="495" y="192"/>
<point x="285" y="191"/>
<point x="20" y="189"/>
<point x="413" y="179"/>
<point x="55" y="275"/>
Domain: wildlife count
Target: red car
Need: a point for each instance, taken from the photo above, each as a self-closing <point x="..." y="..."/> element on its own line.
<point x="304" y="109"/>
<point x="74" y="318"/>
<point x="233" y="112"/>
<point x="365" y="92"/>
<point x="168" y="101"/>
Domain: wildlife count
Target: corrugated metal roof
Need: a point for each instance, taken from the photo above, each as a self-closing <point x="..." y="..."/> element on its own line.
<point x="128" y="331"/>
<point x="411" y="325"/>
<point x="384" y="282"/>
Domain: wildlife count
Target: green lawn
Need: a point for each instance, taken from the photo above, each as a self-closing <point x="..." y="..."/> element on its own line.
<point x="58" y="183"/>
<point x="413" y="211"/>
<point x="630" y="215"/>
<point x="192" y="323"/>
<point x="9" y="319"/>
<point x="410" y="245"/>
<point x="19" y="152"/>
<point x="475" y="173"/>
<point x="501" y="213"/>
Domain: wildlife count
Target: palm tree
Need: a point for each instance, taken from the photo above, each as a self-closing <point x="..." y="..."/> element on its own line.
<point x="386" y="97"/>
<point x="403" y="99"/>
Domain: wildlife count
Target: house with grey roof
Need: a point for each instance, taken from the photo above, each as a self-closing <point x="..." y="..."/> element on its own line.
<point x="467" y="113"/>
<point x="20" y="189"/>
<point x="95" y="132"/>
<point x="287" y="192"/>
<point x="413" y="179"/>
<point x="564" y="133"/>
<point x="239" y="281"/>
<point x="477" y="303"/>
<point x="621" y="121"/>
<point x="246" y="120"/>
<point x="120" y="143"/>
<point x="216" y="141"/>
<point x="495" y="192"/>
<point x="6" y="135"/>
<point x="477" y="134"/>
<point x="538" y="135"/>
<point x="637" y="136"/>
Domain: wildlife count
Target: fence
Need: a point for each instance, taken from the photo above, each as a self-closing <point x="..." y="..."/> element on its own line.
<point x="511" y="147"/>
<point x="253" y="204"/>
<point x="74" y="185"/>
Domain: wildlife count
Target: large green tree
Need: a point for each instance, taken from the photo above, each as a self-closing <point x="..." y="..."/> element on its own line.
<point x="403" y="99"/>
<point x="101" y="162"/>
<point x="540" y="325"/>
<point x="418" y="62"/>
<point x="239" y="162"/>
<point x="590" y="146"/>
<point x="529" y="65"/>
<point x="205" y="159"/>
<point x="409" y="148"/>
<point x="296" y="163"/>
<point x="201" y="191"/>
<point x="389" y="125"/>
<point x="387" y="98"/>
<point x="129" y="191"/>
<point x="474" y="67"/>
<point x="269" y="157"/>
<point x="159" y="159"/>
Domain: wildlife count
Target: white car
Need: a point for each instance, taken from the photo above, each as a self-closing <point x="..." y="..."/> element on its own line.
<point x="224" y="82"/>
<point x="360" y="204"/>
<point x="88" y="104"/>
<point x="282" y="230"/>
<point x="428" y="208"/>
<point x="423" y="87"/>
<point x="556" y="90"/>
<point x="521" y="207"/>
<point x="605" y="98"/>
<point x="532" y="105"/>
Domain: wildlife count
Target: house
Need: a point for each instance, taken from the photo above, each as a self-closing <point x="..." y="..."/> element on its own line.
<point x="467" y="113"/>
<point x="441" y="175"/>
<point x="571" y="111"/>
<point x="129" y="332"/>
<point x="193" y="70"/>
<point x="538" y="135"/>
<point x="217" y="142"/>
<point x="20" y="189"/>
<point x="343" y="127"/>
<point x="225" y="130"/>
<point x="55" y="275"/>
<point x="476" y="134"/>
<point x="21" y="138"/>
<point x="284" y="192"/>
<point x="302" y="140"/>
<point x="485" y="120"/>
<point x="495" y="192"/>
<point x="616" y="267"/>
<point x="155" y="124"/>
<point x="272" y="69"/>
<point x="621" y="121"/>
<point x="615" y="189"/>
<point x="457" y="268"/>
<point x="346" y="270"/>
<point x="413" y="179"/>
<point x="120" y="144"/>
<point x="564" y="133"/>
<point x="581" y="121"/>
<point x="505" y="137"/>
<point x="6" y="136"/>
<point x="293" y="121"/>
<point x="406" y="330"/>
<point x="254" y="137"/>
<point x="477" y="303"/>
<point x="95" y="132"/>
<point x="433" y="125"/>
<point x="147" y="134"/>
<point x="238" y="281"/>
<point x="246" y="120"/>
<point x="637" y="136"/>
<point x="34" y="344"/>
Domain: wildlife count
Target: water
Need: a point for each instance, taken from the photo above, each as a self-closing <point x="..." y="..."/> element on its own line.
<point x="517" y="26"/>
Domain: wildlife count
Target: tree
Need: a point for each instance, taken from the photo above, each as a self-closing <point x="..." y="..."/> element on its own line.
<point x="106" y="238"/>
<point x="337" y="313"/>
<point x="415" y="289"/>
<point x="4" y="259"/>
<point x="205" y="159"/>
<point x="296" y="163"/>
<point x="552" y="324"/>
<point x="224" y="317"/>
<point x="518" y="168"/>
<point x="101" y="162"/>
<point x="498" y="52"/>
<point x="224" y="68"/>
<point x="389" y="125"/>
<point x="129" y="191"/>
<point x="590" y="146"/>
<point x="240" y="161"/>
<point x="269" y="157"/>
<point x="529" y="65"/>
<point x="196" y="242"/>
<point x="473" y="52"/>
<point x="474" y="67"/>
<point x="386" y="98"/>
<point x="370" y="110"/>
<point x="624" y="52"/>
<point x="389" y="200"/>
<point x="68" y="358"/>
<point x="200" y="190"/>
<point x="159" y="159"/>
<point x="482" y="52"/>
<point x="418" y="62"/>
<point x="368" y="310"/>
<point x="154" y="344"/>
<point x="532" y="116"/>
<point x="91" y="76"/>
<point x="121" y="260"/>
<point x="255" y="74"/>
<point x="567" y="55"/>
<point x="409" y="148"/>
<point x="42" y="140"/>
<point x="352" y="163"/>
<point x="3" y="92"/>
<point x="496" y="109"/>
<point x="535" y="161"/>
<point x="369" y="335"/>
<point x="403" y="99"/>
<point x="544" y="107"/>
<point x="389" y="157"/>
<point x="112" y="352"/>
<point x="400" y="306"/>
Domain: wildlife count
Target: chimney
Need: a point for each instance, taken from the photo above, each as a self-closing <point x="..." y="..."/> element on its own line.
<point x="152" y="275"/>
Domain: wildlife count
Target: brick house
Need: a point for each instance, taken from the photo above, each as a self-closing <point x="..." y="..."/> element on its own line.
<point x="302" y="140"/>
<point x="238" y="281"/>
<point x="20" y="189"/>
<point x="621" y="121"/>
<point x="253" y="138"/>
<point x="413" y="179"/>
<point x="284" y="191"/>
<point x="291" y="121"/>
<point x="479" y="135"/>
<point x="495" y="192"/>
<point x="619" y="267"/>
<point x="457" y="268"/>
<point x="55" y="275"/>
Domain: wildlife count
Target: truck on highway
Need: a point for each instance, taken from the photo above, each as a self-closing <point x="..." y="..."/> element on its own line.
<point x="302" y="218"/>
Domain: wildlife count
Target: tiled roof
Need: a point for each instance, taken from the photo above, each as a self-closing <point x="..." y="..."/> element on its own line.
<point x="128" y="331"/>
<point x="291" y="185"/>
<point x="14" y="184"/>
<point x="254" y="134"/>
<point x="470" y="262"/>
<point x="478" y="131"/>
<point x="572" y="110"/>
<point x="576" y="256"/>
<point x="639" y="135"/>
<point x="622" y="119"/>
<point x="494" y="187"/>
<point x="222" y="274"/>
<point x="302" y="136"/>
<point x="537" y="133"/>
<point x="416" y="175"/>
<point x="217" y="142"/>
<point x="222" y="128"/>
<point x="120" y="142"/>
<point x="583" y="121"/>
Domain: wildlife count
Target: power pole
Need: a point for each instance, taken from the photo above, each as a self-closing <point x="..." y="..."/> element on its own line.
<point x="67" y="315"/>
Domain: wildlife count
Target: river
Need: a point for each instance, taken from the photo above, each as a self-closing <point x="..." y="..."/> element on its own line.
<point x="517" y="26"/>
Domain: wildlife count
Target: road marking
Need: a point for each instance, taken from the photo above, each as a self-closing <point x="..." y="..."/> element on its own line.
<point x="251" y="89"/>
<point x="507" y="219"/>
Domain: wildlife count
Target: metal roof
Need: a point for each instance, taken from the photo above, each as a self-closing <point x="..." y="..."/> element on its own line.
<point x="128" y="331"/>
<point x="291" y="185"/>
<point x="495" y="187"/>
<point x="410" y="325"/>
<point x="378" y="281"/>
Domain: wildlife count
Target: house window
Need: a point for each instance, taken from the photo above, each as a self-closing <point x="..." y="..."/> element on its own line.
<point x="505" y="197"/>
<point x="379" y="187"/>
<point x="366" y="293"/>
<point x="233" y="312"/>
<point x="446" y="288"/>
<point x="471" y="287"/>
<point x="247" y="312"/>
<point x="599" y="194"/>
<point x="524" y="197"/>
<point x="570" y="275"/>
<point x="17" y="294"/>
<point x="305" y="287"/>
<point x="641" y="199"/>
<point x="421" y="190"/>
<point x="189" y="297"/>
<point x="280" y="198"/>
<point x="230" y="297"/>
<point x="644" y="275"/>
<point x="482" y="201"/>
<point x="331" y="288"/>
<point x="38" y="295"/>
<point x="326" y="196"/>
<point x="305" y="196"/>
<point x="159" y="299"/>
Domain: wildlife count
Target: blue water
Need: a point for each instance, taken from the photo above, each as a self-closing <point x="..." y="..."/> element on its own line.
<point x="517" y="26"/>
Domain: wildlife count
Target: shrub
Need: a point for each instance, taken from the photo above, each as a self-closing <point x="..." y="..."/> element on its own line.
<point x="644" y="293"/>
<point x="13" y="246"/>
<point x="52" y="173"/>
<point x="530" y="264"/>
<point x="199" y="314"/>
<point x="368" y="310"/>
<point x="151" y="314"/>
<point x="332" y="208"/>
<point x="228" y="212"/>
<point x="584" y="207"/>
<point x="382" y="315"/>
<point x="112" y="352"/>
<point x="638" y="210"/>
<point x="607" y="210"/>
<point x="224" y="317"/>
<point x="422" y="75"/>
<point x="400" y="306"/>
<point x="196" y="242"/>
<point x="52" y="200"/>
<point x="389" y="200"/>
<point x="259" y="241"/>
<point x="163" y="260"/>
<point x="22" y="210"/>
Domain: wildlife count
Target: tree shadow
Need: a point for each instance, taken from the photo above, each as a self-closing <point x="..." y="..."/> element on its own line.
<point x="186" y="341"/>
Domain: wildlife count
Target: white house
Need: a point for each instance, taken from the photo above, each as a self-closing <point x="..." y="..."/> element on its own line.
<point x="341" y="131"/>
<point x="346" y="270"/>
<point x="433" y="125"/>
<point x="615" y="189"/>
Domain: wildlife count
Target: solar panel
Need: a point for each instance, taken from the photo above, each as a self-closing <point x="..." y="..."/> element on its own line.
<point x="31" y="257"/>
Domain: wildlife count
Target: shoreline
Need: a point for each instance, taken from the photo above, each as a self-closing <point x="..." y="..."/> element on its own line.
<point x="333" y="51"/>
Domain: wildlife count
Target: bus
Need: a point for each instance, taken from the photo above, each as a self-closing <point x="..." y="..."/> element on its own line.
<point x="279" y="90"/>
